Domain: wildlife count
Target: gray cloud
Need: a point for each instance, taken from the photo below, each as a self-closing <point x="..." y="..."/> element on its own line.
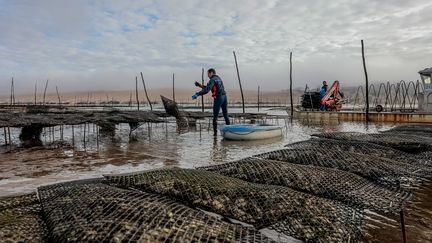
<point x="84" y="45"/>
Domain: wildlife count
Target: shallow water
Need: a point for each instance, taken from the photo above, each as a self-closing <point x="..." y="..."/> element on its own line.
<point x="161" y="145"/>
<point x="151" y="146"/>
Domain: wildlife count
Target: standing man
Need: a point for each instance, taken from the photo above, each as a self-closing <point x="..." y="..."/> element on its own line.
<point x="323" y="92"/>
<point x="216" y="86"/>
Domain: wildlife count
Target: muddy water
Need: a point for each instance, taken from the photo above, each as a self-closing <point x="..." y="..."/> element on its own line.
<point x="417" y="219"/>
<point x="151" y="146"/>
<point x="161" y="145"/>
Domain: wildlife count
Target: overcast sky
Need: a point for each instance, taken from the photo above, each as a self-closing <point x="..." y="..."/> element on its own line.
<point x="103" y="45"/>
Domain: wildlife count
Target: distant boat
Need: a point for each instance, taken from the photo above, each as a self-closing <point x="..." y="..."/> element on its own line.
<point x="248" y="132"/>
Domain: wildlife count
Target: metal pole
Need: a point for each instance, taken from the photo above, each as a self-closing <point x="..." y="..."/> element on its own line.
<point x="84" y="135"/>
<point x="61" y="133"/>
<point x="403" y="226"/>
<point x="97" y="137"/>
<point x="73" y="136"/>
<point x="136" y="91"/>
<point x="238" y="76"/>
<point x="88" y="132"/>
<point x="291" y="96"/>
<point x="367" y="82"/>
<point x="5" y="137"/>
<point x="202" y="96"/>
<point x="10" y="140"/>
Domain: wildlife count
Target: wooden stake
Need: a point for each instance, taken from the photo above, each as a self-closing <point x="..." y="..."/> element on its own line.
<point x="145" y="90"/>
<point x="173" y="87"/>
<point x="46" y="86"/>
<point x="136" y="91"/>
<point x="238" y="76"/>
<point x="58" y="96"/>
<point x="367" y="82"/>
<point x="10" y="140"/>
<point x="73" y="136"/>
<point x="12" y="96"/>
<point x="202" y="96"/>
<point x="404" y="237"/>
<point x="35" y="94"/>
<point x="5" y="135"/>
<point x="84" y="135"/>
<point x="97" y="137"/>
<point x="291" y="96"/>
<point x="258" y="97"/>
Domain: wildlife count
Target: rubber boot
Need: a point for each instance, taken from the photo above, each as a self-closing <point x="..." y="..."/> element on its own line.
<point x="214" y="128"/>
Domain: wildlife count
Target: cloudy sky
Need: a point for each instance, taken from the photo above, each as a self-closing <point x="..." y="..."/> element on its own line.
<point x="103" y="45"/>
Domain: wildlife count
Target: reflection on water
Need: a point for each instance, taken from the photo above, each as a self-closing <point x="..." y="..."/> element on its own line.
<point x="150" y="146"/>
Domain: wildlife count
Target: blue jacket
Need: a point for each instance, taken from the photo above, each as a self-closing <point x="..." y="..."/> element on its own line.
<point x="323" y="91"/>
<point x="215" y="84"/>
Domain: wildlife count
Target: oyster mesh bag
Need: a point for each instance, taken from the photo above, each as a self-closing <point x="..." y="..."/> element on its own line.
<point x="422" y="129"/>
<point x="385" y="171"/>
<point x="172" y="109"/>
<point x="361" y="148"/>
<point x="21" y="219"/>
<point x="90" y="210"/>
<point x="287" y="211"/>
<point x="335" y="184"/>
<point x="407" y="143"/>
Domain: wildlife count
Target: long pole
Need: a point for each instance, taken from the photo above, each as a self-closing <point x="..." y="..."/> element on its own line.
<point x="5" y="135"/>
<point x="58" y="96"/>
<point x="130" y="100"/>
<point x="238" y="76"/>
<point x="202" y="96"/>
<point x="145" y="90"/>
<point x="73" y="136"/>
<point x="258" y="97"/>
<point x="84" y="135"/>
<point x="173" y="87"/>
<point x="10" y="140"/>
<point x="97" y="137"/>
<point x="136" y="91"/>
<point x="404" y="236"/>
<point x="291" y="96"/>
<point x="46" y="86"/>
<point x="367" y="82"/>
<point x="35" y="93"/>
<point x="12" y="96"/>
<point x="13" y="91"/>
